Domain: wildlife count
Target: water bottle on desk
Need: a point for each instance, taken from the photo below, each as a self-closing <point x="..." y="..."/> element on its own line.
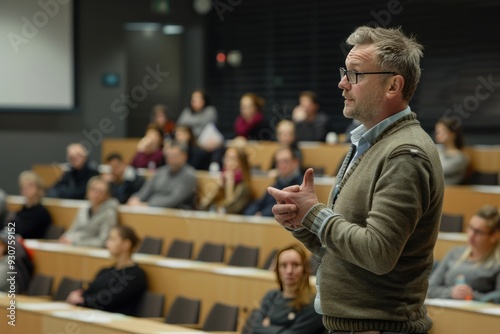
<point x="460" y="280"/>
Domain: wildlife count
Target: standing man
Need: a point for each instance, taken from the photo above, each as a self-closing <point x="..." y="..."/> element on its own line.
<point x="375" y="237"/>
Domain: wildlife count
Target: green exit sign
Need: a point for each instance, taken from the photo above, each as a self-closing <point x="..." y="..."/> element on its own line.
<point x="160" y="6"/>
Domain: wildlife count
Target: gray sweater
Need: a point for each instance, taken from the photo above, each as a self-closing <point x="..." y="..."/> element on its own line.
<point x="198" y="120"/>
<point x="376" y="241"/>
<point x="169" y="190"/>
<point x="92" y="230"/>
<point x="482" y="279"/>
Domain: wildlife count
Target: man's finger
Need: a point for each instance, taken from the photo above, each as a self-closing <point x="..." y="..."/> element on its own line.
<point x="308" y="181"/>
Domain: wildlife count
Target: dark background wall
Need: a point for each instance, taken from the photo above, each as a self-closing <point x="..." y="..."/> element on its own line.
<point x="293" y="45"/>
<point x="103" y="45"/>
<point x="287" y="46"/>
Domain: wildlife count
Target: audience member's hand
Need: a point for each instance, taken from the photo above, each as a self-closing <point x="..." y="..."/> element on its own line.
<point x="108" y="177"/>
<point x="145" y="144"/>
<point x="266" y="322"/>
<point x="298" y="114"/>
<point x="135" y="201"/>
<point x="75" y="297"/>
<point x="461" y="291"/>
<point x="294" y="202"/>
<point x="65" y="240"/>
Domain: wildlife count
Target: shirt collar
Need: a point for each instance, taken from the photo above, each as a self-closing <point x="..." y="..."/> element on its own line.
<point x="362" y="136"/>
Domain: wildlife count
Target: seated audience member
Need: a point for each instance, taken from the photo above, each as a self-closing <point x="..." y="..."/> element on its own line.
<point x="233" y="191"/>
<point x="289" y="174"/>
<point x="149" y="149"/>
<point x="450" y="140"/>
<point x="310" y="124"/>
<point x="92" y="224"/>
<point x="289" y="309"/>
<point x="122" y="295"/>
<point x="123" y="179"/>
<point x="172" y="186"/>
<point x="197" y="156"/>
<point x="199" y="113"/>
<point x="159" y="117"/>
<point x="74" y="181"/>
<point x="285" y="136"/>
<point x="250" y="122"/>
<point x="4" y="264"/>
<point x="472" y="271"/>
<point x="33" y="219"/>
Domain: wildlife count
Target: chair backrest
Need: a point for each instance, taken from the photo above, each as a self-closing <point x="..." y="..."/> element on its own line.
<point x="482" y="178"/>
<point x="40" y="285"/>
<point x="269" y="262"/>
<point x="65" y="287"/>
<point x="211" y="252"/>
<point x="244" y="256"/>
<point x="53" y="232"/>
<point x="451" y="223"/>
<point x="151" y="245"/>
<point x="150" y="305"/>
<point x="221" y="318"/>
<point x="184" y="311"/>
<point x="180" y="249"/>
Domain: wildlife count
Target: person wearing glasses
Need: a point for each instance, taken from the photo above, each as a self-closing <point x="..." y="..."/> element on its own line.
<point x="472" y="271"/>
<point x="376" y="234"/>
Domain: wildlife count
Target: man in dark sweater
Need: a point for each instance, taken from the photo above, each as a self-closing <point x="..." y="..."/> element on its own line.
<point x="287" y="165"/>
<point x="375" y="236"/>
<point x="73" y="182"/>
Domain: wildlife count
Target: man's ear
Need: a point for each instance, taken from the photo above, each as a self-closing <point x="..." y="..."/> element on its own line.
<point x="396" y="84"/>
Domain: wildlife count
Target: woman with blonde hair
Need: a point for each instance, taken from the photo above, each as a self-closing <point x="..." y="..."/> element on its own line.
<point x="289" y="309"/>
<point x="33" y="219"/>
<point x="233" y="191"/>
<point x="472" y="271"/>
<point x="92" y="223"/>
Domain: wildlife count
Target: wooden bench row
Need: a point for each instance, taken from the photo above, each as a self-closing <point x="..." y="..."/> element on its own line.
<point x="237" y="286"/>
<point x="200" y="227"/>
<point x="484" y="158"/>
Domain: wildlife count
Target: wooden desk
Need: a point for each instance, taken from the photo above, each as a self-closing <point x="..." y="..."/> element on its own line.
<point x="172" y="277"/>
<point x="39" y="316"/>
<point x="49" y="173"/>
<point x="126" y="147"/>
<point x="463" y="317"/>
<point x="466" y="200"/>
<point x="200" y="226"/>
<point x="328" y="157"/>
<point x="484" y="158"/>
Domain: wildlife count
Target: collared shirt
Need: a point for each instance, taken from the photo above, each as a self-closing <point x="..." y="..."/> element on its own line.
<point x="363" y="138"/>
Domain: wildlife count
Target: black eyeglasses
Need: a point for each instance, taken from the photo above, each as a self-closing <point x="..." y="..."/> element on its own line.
<point x="352" y="76"/>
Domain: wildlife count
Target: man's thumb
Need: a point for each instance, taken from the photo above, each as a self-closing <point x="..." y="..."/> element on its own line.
<point x="308" y="182"/>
